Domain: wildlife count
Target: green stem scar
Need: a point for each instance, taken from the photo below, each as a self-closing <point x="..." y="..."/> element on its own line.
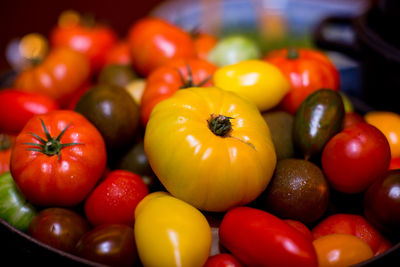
<point x="220" y="125"/>
<point x="51" y="146"/>
<point x="187" y="83"/>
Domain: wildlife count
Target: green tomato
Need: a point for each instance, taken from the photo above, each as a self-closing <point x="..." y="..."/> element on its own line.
<point x="233" y="49"/>
<point x="14" y="208"/>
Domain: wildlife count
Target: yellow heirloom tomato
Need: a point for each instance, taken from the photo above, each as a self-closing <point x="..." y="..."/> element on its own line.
<point x="170" y="232"/>
<point x="210" y="148"/>
<point x="259" y="81"/>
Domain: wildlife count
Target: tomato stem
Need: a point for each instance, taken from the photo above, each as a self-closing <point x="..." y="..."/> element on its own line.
<point x="220" y="125"/>
<point x="187" y="83"/>
<point x="293" y="53"/>
<point x="52" y="146"/>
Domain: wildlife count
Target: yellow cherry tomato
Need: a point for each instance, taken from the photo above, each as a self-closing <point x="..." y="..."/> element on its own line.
<point x="210" y="148"/>
<point x="336" y="250"/>
<point x="389" y="124"/>
<point x="170" y="232"/>
<point x="257" y="80"/>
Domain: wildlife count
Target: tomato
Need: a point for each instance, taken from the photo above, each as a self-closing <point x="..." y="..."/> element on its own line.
<point x="59" y="76"/>
<point x="389" y="124"/>
<point x="110" y="244"/>
<point x="204" y="43"/>
<point x="350" y="224"/>
<point x="351" y="118"/>
<point x="258" y="238"/>
<point x="58" y="158"/>
<point x="119" y="54"/>
<point x="355" y="157"/>
<point x="382" y="202"/>
<point x="164" y="81"/>
<point x="17" y="107"/>
<point x="256" y="80"/>
<point x="216" y="138"/>
<point x="58" y="227"/>
<point x="301" y="227"/>
<point x="114" y="200"/>
<point x="222" y="260"/>
<point x="94" y="41"/>
<point x="394" y="163"/>
<point x="6" y="142"/>
<point x="341" y="250"/>
<point x="154" y="41"/>
<point x="14" y="209"/>
<point x="307" y="70"/>
<point x="173" y="230"/>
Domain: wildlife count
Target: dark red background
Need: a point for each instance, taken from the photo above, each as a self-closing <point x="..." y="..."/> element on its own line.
<point x="20" y="17"/>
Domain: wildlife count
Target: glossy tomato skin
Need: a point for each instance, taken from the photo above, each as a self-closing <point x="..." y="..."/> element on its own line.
<point x="355" y="157"/>
<point x="352" y="224"/>
<point x="222" y="260"/>
<point x="164" y="81"/>
<point x="119" y="54"/>
<point x="110" y="244"/>
<point x="307" y="70"/>
<point x="154" y="41"/>
<point x="116" y="198"/>
<point x="301" y="227"/>
<point x="93" y="42"/>
<point x="17" y="107"/>
<point x="394" y="163"/>
<point x="58" y="227"/>
<point x="382" y="203"/>
<point x="258" y="238"/>
<point x="63" y="179"/>
<point x="59" y="76"/>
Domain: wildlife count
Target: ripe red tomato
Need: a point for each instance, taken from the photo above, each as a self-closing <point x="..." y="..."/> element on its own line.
<point x="115" y="199"/>
<point x="58" y="158"/>
<point x="203" y="43"/>
<point x="153" y="41"/>
<point x="351" y="118"/>
<point x="354" y="225"/>
<point x="394" y="163"/>
<point x="59" y="76"/>
<point x="301" y="227"/>
<point x="17" y="107"/>
<point x="222" y="260"/>
<point x="6" y="142"/>
<point x="120" y="54"/>
<point x="355" y="157"/>
<point x="177" y="74"/>
<point x="92" y="41"/>
<point x="307" y="70"/>
<point x="258" y="238"/>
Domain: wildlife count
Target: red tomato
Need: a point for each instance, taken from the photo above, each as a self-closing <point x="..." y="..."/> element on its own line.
<point x="59" y="76"/>
<point x="203" y="43"/>
<point x="92" y="41"/>
<point x="153" y="41"/>
<point x="355" y="157"/>
<point x="58" y="158"/>
<point x="17" y="107"/>
<point x="115" y="199"/>
<point x="177" y="74"/>
<point x="222" y="260"/>
<point x="351" y="118"/>
<point x="354" y="225"/>
<point x="307" y="70"/>
<point x="6" y="142"/>
<point x="258" y="238"/>
<point x="119" y="54"/>
<point x="301" y="227"/>
<point x="394" y="163"/>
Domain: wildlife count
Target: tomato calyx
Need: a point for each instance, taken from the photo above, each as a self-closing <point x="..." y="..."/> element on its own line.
<point x="187" y="83"/>
<point x="52" y="146"/>
<point x="220" y="125"/>
<point x="5" y="142"/>
<point x="292" y="53"/>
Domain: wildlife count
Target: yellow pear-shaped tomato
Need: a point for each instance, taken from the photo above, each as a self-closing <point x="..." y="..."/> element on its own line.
<point x="170" y="232"/>
<point x="210" y="148"/>
<point x="257" y="80"/>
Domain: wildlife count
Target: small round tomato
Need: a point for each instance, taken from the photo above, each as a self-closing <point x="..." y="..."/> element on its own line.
<point x="351" y="118"/>
<point x="389" y="124"/>
<point x="307" y="70"/>
<point x="355" y="157"/>
<point x="17" y="107"/>
<point x="115" y="199"/>
<point x="110" y="244"/>
<point x="222" y="260"/>
<point x="119" y="54"/>
<point x="301" y="227"/>
<point x="58" y="158"/>
<point x="394" y="163"/>
<point x="154" y="41"/>
<point x="341" y="250"/>
<point x="58" y="227"/>
<point x="204" y="43"/>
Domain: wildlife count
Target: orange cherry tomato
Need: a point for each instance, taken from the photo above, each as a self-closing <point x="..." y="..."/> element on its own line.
<point x="389" y="124"/>
<point x="341" y="250"/>
<point x="307" y="70"/>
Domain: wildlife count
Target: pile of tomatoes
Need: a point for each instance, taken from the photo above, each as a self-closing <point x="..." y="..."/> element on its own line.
<point x="155" y="150"/>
